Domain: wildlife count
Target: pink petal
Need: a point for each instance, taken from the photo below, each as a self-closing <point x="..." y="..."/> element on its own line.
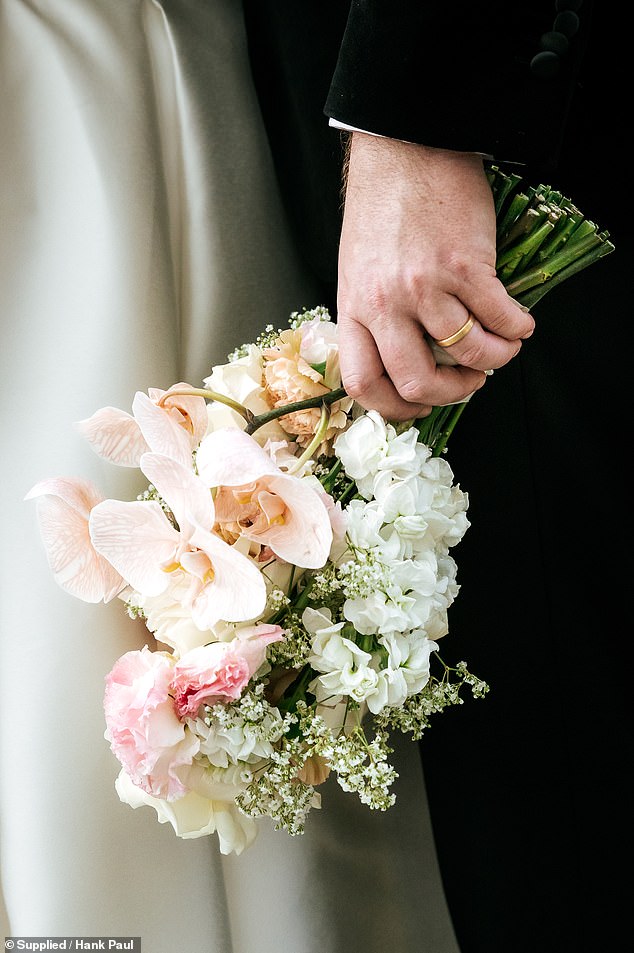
<point x="114" y="435"/>
<point x="230" y="457"/>
<point x="238" y="590"/>
<point x="137" y="539"/>
<point x="184" y="492"/>
<point x="251" y="644"/>
<point x="163" y="434"/>
<point x="63" y="509"/>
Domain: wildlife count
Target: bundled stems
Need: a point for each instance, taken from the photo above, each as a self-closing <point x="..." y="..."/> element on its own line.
<point x="542" y="240"/>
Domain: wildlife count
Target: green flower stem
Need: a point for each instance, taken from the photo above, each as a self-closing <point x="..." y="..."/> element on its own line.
<point x="328" y="481"/>
<point x="297" y="690"/>
<point x="209" y="395"/>
<point x="530" y="297"/>
<point x="591" y="245"/>
<point x="504" y="189"/>
<point x="509" y="260"/>
<point x="261" y="419"/>
<point x="443" y="437"/>
<point x="302" y="600"/>
<point x="320" y="433"/>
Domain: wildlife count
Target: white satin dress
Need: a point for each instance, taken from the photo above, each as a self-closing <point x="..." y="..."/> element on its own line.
<point x="141" y="239"/>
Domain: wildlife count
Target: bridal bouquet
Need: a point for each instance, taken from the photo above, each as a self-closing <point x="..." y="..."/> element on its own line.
<point x="291" y="560"/>
<point x="294" y="571"/>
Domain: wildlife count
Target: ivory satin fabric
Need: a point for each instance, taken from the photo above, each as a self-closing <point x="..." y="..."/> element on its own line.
<point x="141" y="239"/>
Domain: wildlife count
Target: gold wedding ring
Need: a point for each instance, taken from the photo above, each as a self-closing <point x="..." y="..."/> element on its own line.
<point x="458" y="335"/>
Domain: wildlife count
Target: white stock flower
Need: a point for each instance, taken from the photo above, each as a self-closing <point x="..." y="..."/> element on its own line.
<point x="407" y="671"/>
<point x="345" y="667"/>
<point x="364" y="522"/>
<point x="390" y="690"/>
<point x="410" y="654"/>
<point x="404" y="454"/>
<point x="361" y="448"/>
<point x="379" y="612"/>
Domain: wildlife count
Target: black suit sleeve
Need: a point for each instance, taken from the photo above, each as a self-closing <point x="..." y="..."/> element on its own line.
<point x="496" y="78"/>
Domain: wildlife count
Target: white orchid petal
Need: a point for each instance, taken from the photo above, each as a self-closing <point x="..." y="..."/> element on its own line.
<point x="137" y="539"/>
<point x="63" y="508"/>
<point x="305" y="536"/>
<point x="230" y="457"/>
<point x="163" y="434"/>
<point x="238" y="590"/>
<point x="114" y="435"/>
<point x="181" y="489"/>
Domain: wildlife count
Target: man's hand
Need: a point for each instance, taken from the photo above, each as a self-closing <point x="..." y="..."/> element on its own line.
<point x="417" y="255"/>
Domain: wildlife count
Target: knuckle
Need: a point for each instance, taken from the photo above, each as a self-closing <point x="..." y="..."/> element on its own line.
<point x="474" y="354"/>
<point x="413" y="391"/>
<point x="356" y="385"/>
<point x="497" y="322"/>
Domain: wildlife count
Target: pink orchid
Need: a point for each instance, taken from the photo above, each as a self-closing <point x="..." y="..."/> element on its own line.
<point x="219" y="671"/>
<point x="145" y="546"/>
<point x="257" y="500"/>
<point x="173" y="427"/>
<point x="64" y="506"/>
<point x="142" y="726"/>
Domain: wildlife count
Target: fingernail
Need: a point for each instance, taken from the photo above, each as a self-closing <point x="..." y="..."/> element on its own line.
<point x="522" y="307"/>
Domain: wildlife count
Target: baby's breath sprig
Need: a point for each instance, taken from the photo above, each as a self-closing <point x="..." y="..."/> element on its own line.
<point x="413" y="717"/>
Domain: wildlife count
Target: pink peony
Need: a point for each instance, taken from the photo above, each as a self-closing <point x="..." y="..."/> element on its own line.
<point x="220" y="671"/>
<point x="143" y="728"/>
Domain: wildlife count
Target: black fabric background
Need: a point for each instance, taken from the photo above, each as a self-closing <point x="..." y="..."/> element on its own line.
<point x="529" y="789"/>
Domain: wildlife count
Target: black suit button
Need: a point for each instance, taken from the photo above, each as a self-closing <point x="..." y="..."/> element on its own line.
<point x="555" y="42"/>
<point x="545" y="65"/>
<point x="566" y="22"/>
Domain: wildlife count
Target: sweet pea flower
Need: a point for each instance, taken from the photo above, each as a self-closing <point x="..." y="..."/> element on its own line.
<point x="139" y="540"/>
<point x="256" y="499"/>
<point x="64" y="506"/>
<point x="142" y="726"/>
<point x="219" y="671"/>
<point x="172" y="426"/>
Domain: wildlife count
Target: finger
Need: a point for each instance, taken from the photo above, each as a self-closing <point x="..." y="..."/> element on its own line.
<point x="364" y="377"/>
<point x="410" y="364"/>
<point x="478" y="348"/>
<point x="497" y="312"/>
